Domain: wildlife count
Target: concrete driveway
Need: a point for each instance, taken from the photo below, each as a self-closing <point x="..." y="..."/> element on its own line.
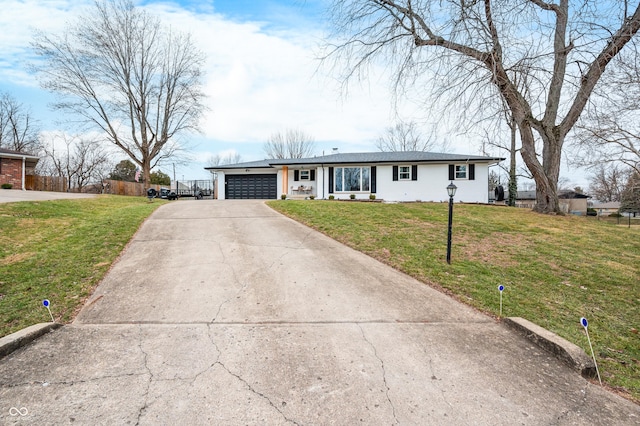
<point x="15" y="195"/>
<point x="225" y="312"/>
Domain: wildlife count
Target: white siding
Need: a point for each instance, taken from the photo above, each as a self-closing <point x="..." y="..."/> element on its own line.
<point x="221" y="186"/>
<point x="430" y="186"/>
<point x="296" y="183"/>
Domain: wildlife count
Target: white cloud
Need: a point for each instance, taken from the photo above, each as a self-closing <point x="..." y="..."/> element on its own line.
<point x="259" y="82"/>
<point x="18" y="20"/>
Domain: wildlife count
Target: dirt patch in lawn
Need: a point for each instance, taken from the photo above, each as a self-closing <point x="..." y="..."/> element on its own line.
<point x="15" y="258"/>
<point x="494" y="249"/>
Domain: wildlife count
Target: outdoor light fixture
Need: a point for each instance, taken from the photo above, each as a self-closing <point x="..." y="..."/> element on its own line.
<point x="451" y="190"/>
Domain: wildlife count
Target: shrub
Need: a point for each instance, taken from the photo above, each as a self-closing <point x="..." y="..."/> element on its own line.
<point x="331" y="197"/>
<point x="7" y="186"/>
<point x="352" y="196"/>
<point x="312" y="197"/>
<point x="372" y="196"/>
<point x="283" y="196"/>
<point x="615" y="215"/>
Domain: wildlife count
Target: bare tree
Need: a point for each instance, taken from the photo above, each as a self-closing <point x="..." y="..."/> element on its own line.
<point x="18" y="130"/>
<point x="80" y="161"/>
<point x="468" y="51"/>
<point x="292" y="143"/>
<point x="608" y="183"/>
<point x="404" y="136"/>
<point x="118" y="70"/>
<point x="609" y="131"/>
<point x="230" y="158"/>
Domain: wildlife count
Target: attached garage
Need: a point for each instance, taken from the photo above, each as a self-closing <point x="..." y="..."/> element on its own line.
<point x="245" y="187"/>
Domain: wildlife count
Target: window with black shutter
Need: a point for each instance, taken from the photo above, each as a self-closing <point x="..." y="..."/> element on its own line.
<point x="462" y="171"/>
<point x="414" y="172"/>
<point x="395" y="172"/>
<point x="296" y="175"/>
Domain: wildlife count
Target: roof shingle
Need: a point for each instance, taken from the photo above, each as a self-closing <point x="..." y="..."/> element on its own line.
<point x="363" y="158"/>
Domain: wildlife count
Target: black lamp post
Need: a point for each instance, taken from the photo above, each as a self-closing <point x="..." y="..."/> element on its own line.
<point x="451" y="190"/>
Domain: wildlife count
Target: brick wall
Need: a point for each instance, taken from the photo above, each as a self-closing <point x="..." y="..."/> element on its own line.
<point x="11" y="172"/>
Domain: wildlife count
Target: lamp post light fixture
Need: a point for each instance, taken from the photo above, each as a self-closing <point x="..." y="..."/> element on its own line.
<point x="451" y="190"/>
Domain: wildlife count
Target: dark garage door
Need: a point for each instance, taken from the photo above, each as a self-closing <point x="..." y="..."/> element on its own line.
<point x="244" y="187"/>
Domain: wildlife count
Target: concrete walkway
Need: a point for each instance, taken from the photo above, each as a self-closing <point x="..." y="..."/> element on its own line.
<point x="226" y="313"/>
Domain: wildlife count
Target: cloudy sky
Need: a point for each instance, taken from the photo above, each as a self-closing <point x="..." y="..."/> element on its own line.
<point x="262" y="76"/>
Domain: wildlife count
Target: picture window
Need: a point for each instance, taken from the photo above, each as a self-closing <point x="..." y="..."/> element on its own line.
<point x="352" y="179"/>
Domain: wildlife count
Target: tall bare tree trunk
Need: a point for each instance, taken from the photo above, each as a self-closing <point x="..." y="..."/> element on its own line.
<point x="513" y="182"/>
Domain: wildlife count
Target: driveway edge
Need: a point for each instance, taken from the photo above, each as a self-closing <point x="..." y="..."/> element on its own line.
<point x="562" y="349"/>
<point x="25" y="336"/>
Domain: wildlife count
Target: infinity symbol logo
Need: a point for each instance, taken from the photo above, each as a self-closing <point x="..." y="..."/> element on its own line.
<point x="13" y="411"/>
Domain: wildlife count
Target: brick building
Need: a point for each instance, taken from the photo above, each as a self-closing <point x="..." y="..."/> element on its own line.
<point x="15" y="166"/>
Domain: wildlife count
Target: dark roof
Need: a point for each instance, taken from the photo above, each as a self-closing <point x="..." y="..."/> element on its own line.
<point x="261" y="164"/>
<point x="523" y="195"/>
<point x="531" y="195"/>
<point x="365" y="157"/>
<point x="15" y="153"/>
<point x="571" y="194"/>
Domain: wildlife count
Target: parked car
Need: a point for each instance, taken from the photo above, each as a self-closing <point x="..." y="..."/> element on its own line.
<point x="167" y="194"/>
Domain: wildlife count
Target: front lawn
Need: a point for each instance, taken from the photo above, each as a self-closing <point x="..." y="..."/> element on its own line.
<point x="555" y="269"/>
<point x="60" y="250"/>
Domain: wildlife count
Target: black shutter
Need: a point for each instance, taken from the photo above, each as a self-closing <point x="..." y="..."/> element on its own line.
<point x="330" y="180"/>
<point x="452" y="172"/>
<point x="472" y="171"/>
<point x="373" y="179"/>
<point x="312" y="174"/>
<point x="395" y="172"/>
<point x="296" y="175"/>
<point x="414" y="172"/>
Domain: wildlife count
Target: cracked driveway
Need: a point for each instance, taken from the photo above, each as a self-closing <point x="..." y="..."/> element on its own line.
<point x="225" y="312"/>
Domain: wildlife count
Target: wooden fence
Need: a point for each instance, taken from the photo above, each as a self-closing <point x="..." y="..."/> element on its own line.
<point x="118" y="187"/>
<point x="45" y="183"/>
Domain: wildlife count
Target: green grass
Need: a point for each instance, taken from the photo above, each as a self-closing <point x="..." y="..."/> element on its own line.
<point x="60" y="250"/>
<point x="555" y="269"/>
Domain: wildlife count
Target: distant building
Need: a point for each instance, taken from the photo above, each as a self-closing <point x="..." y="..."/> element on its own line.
<point x="570" y="202"/>
<point x="15" y="167"/>
<point x="605" y="209"/>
